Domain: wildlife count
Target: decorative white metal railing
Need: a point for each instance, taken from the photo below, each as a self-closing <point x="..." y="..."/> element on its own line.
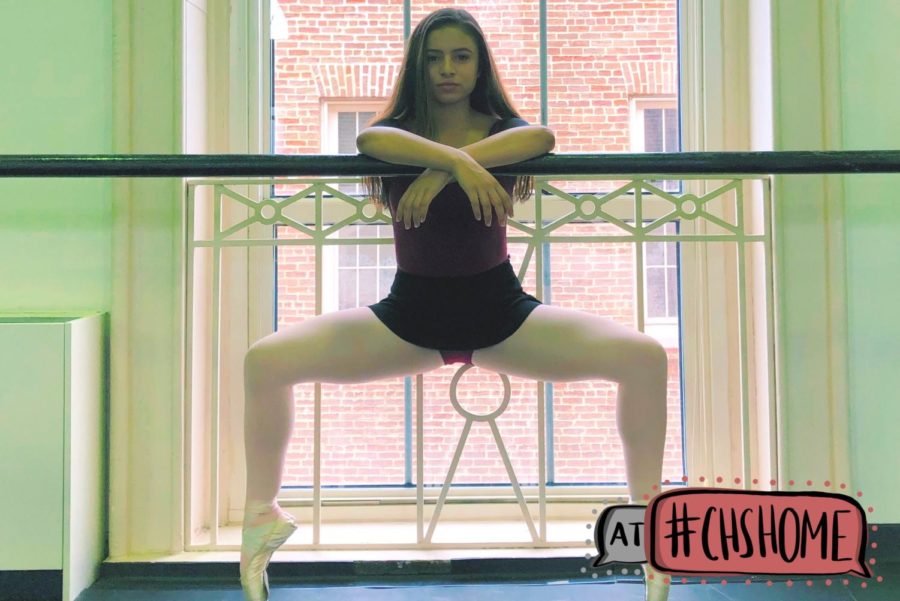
<point x="709" y="209"/>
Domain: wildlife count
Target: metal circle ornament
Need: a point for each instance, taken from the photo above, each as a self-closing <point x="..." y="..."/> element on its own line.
<point x="689" y="206"/>
<point x="474" y="416"/>
<point x="268" y="211"/>
<point x="588" y="205"/>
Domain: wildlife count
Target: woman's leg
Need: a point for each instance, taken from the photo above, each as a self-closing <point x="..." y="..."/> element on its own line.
<point x="563" y="345"/>
<point x="342" y="347"/>
<point x="349" y="346"/>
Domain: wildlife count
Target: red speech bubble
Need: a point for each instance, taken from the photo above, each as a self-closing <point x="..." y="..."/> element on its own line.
<point x="716" y="531"/>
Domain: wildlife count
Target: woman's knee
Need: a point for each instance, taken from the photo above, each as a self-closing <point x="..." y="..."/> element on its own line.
<point x="656" y="352"/>
<point x="261" y="365"/>
<point x="647" y="356"/>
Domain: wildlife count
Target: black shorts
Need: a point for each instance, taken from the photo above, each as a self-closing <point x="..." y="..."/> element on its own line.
<point x="456" y="315"/>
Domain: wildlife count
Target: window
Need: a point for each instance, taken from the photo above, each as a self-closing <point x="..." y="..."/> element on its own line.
<point x="341" y="127"/>
<point x="654" y="128"/>
<point x="661" y="302"/>
<point x="320" y="103"/>
<point x="661" y="273"/>
<point x="357" y="275"/>
<point x="353" y="276"/>
<point x="236" y="96"/>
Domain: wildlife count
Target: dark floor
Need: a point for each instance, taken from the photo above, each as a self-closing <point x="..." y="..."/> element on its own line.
<point x="616" y="587"/>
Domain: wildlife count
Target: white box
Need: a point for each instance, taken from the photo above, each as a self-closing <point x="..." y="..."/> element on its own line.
<point x="53" y="446"/>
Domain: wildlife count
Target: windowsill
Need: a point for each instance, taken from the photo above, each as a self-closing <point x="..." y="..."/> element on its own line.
<point x="283" y="556"/>
<point x="559" y="533"/>
<point x="665" y="333"/>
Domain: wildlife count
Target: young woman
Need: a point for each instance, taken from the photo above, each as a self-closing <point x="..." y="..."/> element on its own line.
<point x="455" y="297"/>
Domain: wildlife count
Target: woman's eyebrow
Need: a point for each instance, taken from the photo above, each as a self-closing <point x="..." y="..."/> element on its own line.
<point x="454" y="50"/>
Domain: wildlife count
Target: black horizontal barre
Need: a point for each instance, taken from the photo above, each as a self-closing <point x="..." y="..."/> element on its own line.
<point x="244" y="165"/>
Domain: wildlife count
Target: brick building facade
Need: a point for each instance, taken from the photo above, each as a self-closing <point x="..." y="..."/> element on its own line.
<point x="612" y="71"/>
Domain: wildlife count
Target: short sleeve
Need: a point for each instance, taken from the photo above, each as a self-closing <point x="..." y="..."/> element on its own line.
<point x="510" y="123"/>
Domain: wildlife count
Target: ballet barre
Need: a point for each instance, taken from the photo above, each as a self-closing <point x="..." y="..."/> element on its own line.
<point x="669" y="163"/>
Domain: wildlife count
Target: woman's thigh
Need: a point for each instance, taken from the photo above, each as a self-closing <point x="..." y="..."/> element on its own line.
<point x="342" y="347"/>
<point x="566" y="345"/>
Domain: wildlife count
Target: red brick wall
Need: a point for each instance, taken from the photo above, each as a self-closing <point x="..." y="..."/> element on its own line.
<point x="601" y="54"/>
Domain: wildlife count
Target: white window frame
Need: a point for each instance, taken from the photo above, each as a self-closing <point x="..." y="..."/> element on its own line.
<point x="663" y="329"/>
<point x="709" y="446"/>
<point x="328" y="145"/>
<point x="638" y="105"/>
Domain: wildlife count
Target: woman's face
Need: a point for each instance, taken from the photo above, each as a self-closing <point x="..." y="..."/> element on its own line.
<point x="451" y="56"/>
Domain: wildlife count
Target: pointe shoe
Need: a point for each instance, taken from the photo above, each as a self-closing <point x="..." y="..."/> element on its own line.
<point x="261" y="541"/>
<point x="656" y="588"/>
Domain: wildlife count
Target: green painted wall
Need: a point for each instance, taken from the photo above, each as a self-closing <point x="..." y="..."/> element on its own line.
<point x="834" y="89"/>
<point x="56" y="81"/>
<point x="870" y="96"/>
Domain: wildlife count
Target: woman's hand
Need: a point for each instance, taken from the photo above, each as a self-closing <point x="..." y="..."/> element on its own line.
<point x="413" y="205"/>
<point x="483" y="190"/>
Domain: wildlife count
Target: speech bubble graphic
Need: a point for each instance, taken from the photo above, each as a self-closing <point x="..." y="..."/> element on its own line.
<point x="619" y="535"/>
<point x="715" y="531"/>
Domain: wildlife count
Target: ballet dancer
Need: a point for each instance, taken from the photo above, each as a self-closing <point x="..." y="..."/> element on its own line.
<point x="455" y="297"/>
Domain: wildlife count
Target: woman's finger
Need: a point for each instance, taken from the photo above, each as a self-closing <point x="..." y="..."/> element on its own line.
<point x="399" y="214"/>
<point x="504" y="203"/>
<point x="501" y="209"/>
<point x="476" y="207"/>
<point x="486" y="209"/>
<point x="420" y="213"/>
<point x="411" y="210"/>
<point x="415" y="211"/>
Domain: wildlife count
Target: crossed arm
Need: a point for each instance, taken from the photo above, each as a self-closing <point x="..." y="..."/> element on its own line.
<point x="505" y="148"/>
<point x="511" y="146"/>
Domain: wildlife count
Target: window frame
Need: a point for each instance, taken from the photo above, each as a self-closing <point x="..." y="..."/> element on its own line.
<point x="708" y="454"/>
<point x="329" y="145"/>
<point x="637" y="106"/>
<point x="664" y="329"/>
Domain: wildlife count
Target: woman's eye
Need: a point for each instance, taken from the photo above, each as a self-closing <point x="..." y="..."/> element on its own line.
<point x="462" y="56"/>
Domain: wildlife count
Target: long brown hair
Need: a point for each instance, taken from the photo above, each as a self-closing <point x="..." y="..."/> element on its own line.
<point x="409" y="101"/>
